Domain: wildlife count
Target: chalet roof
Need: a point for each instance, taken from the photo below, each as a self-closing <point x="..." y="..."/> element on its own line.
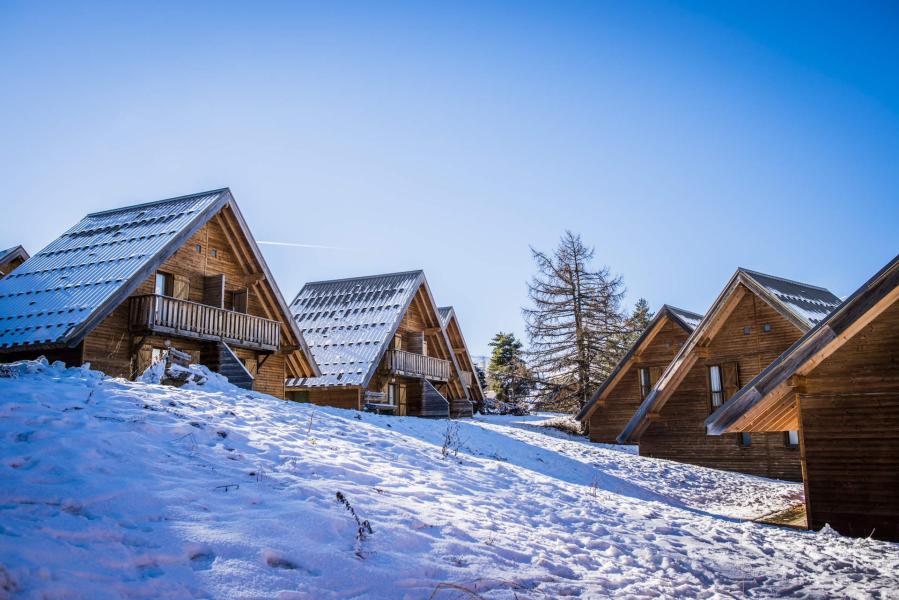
<point x="14" y="252"/>
<point x="808" y="302"/>
<point x="830" y="331"/>
<point x="802" y="304"/>
<point x="58" y="295"/>
<point x="349" y="323"/>
<point x="684" y="318"/>
<point x="445" y="313"/>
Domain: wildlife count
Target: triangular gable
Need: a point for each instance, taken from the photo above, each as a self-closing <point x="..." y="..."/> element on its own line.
<point x="451" y="323"/>
<point x="61" y="293"/>
<point x="789" y="298"/>
<point x="760" y="403"/>
<point x="683" y="318"/>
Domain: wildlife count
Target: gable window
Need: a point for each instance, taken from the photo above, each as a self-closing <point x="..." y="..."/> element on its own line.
<point x="744" y="438"/>
<point x="645" y="382"/>
<point x="716" y="387"/>
<point x="791" y="439"/>
<point x="165" y="284"/>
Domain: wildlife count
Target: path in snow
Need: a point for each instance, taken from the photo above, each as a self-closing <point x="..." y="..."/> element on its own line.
<point x="112" y="488"/>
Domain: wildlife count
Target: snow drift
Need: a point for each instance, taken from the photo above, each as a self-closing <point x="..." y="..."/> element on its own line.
<point x="111" y="488"/>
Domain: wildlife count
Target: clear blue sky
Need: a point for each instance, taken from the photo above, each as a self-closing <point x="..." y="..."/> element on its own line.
<point x="680" y="139"/>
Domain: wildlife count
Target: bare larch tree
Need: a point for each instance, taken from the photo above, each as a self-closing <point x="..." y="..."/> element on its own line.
<point x="575" y="323"/>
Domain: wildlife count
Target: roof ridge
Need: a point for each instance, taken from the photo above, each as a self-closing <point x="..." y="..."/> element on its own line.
<point x="784" y="279"/>
<point x="683" y="310"/>
<point x="155" y="202"/>
<point x="362" y="278"/>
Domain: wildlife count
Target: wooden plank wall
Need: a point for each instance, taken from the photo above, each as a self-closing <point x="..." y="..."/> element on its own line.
<point x="336" y="397"/>
<point x="849" y="415"/>
<point x="679" y="431"/>
<point x="612" y="415"/>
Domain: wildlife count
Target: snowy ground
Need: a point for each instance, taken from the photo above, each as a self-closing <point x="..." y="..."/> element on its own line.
<point x="110" y="488"/>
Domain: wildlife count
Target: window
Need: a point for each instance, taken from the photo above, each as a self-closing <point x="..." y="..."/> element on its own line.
<point x="645" y="382"/>
<point x="791" y="439"/>
<point x="213" y="253"/>
<point x="766" y="327"/>
<point x="165" y="284"/>
<point x="746" y="330"/>
<point x="744" y="438"/>
<point x="199" y="248"/>
<point x="715" y="386"/>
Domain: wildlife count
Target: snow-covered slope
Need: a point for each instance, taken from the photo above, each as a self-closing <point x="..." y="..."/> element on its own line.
<point x="111" y="488"/>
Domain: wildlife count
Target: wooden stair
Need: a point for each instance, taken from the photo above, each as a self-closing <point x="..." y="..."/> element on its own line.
<point x="220" y="358"/>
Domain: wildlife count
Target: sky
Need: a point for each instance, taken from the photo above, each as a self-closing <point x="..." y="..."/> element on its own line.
<point x="680" y="139"/>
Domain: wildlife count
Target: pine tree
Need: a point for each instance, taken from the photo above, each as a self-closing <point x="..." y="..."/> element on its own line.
<point x="575" y="323"/>
<point x="509" y="376"/>
<point x="639" y="320"/>
<point x="634" y="326"/>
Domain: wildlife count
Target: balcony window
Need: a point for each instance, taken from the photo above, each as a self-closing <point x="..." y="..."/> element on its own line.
<point x="165" y="284"/>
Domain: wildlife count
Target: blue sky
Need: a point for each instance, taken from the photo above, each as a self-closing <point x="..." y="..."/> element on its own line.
<point x="680" y="139"/>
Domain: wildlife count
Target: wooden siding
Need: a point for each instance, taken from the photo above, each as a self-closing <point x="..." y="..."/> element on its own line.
<point x="849" y="413"/>
<point x="336" y="397"/>
<point x="678" y="432"/>
<point x="612" y="413"/>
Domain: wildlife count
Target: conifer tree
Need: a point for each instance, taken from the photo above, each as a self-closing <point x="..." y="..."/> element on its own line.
<point x="575" y="322"/>
<point x="509" y="376"/>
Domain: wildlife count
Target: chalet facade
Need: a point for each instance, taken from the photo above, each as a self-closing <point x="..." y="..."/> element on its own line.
<point x="839" y="387"/>
<point x="122" y="286"/>
<point x="752" y="322"/>
<point x="453" y="331"/>
<point x="618" y="397"/>
<point x="12" y="258"/>
<point x="381" y="345"/>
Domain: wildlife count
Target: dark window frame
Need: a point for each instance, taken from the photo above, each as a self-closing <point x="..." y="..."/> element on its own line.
<point x="713" y="393"/>
<point x="789" y="444"/>
<point x="744" y="439"/>
<point x="644" y="378"/>
<point x="168" y="285"/>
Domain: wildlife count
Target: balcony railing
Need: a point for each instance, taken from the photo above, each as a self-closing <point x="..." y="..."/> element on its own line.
<point x="418" y="365"/>
<point x="183" y="318"/>
<point x="466" y="378"/>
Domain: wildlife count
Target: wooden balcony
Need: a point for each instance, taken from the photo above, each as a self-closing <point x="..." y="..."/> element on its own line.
<point x="182" y="318"/>
<point x="466" y="378"/>
<point x="418" y="365"/>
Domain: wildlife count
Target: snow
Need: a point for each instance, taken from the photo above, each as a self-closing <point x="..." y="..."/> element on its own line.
<point x="110" y="488"/>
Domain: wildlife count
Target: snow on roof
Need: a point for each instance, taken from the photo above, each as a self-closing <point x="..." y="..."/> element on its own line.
<point x="348" y="324"/>
<point x="808" y="302"/>
<point x="689" y="319"/>
<point x="49" y="298"/>
<point x="445" y="312"/>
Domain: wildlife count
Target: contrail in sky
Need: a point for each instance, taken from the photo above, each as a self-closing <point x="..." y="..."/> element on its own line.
<point x="292" y="245"/>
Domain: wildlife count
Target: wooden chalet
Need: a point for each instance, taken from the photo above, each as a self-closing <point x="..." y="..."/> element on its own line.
<point x="11" y="258"/>
<point x="469" y="375"/>
<point x="839" y="387"/>
<point x="751" y="323"/>
<point x="380" y="344"/>
<point x="123" y="286"/>
<point x="618" y="397"/>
